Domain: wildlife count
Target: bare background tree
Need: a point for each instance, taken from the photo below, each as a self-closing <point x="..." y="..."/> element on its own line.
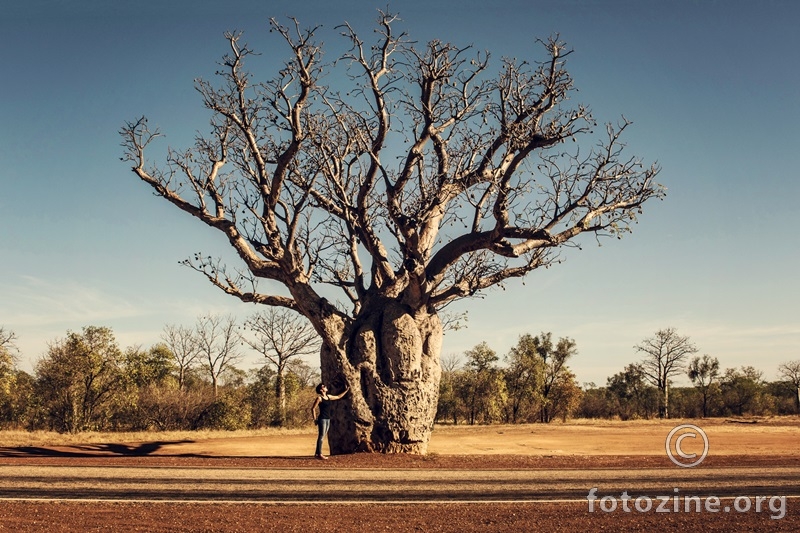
<point x="790" y="371"/>
<point x="281" y="336"/>
<point x="218" y="345"/>
<point x="182" y="343"/>
<point x="424" y="181"/>
<point x="665" y="357"/>
<point x="7" y="338"/>
<point x="8" y="350"/>
<point x="8" y="356"/>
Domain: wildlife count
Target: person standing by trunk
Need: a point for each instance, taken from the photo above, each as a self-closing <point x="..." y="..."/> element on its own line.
<point x="323" y="420"/>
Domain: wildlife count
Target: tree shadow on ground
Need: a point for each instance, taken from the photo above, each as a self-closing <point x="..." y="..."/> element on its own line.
<point x="89" y="450"/>
<point x="147" y="449"/>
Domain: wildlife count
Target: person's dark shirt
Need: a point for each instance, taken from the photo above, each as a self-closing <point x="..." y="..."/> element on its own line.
<point x="325" y="408"/>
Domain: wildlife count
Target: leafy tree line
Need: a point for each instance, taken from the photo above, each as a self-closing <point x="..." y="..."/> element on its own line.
<point x="735" y="392"/>
<point x="190" y="380"/>
<point x="534" y="384"/>
<point x="645" y="389"/>
<point x="86" y="382"/>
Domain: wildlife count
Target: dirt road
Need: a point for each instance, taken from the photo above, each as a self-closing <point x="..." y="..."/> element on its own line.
<point x="324" y="485"/>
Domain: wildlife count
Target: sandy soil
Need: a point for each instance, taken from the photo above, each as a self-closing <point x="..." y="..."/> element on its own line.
<point x="557" y="446"/>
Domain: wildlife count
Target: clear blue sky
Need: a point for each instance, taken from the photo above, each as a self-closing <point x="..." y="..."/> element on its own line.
<point x="711" y="87"/>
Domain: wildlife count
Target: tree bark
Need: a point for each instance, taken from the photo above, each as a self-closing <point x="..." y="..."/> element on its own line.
<point x="797" y="398"/>
<point x="280" y="394"/>
<point x="390" y="361"/>
<point x="705" y="403"/>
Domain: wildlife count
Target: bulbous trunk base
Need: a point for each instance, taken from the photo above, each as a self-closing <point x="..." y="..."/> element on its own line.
<point x="390" y="361"/>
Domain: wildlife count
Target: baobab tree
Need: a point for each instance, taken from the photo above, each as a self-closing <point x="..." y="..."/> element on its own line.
<point x="790" y="371"/>
<point x="422" y="181"/>
<point x="665" y="355"/>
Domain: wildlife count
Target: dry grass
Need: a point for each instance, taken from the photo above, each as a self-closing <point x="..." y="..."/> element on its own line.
<point x="751" y="421"/>
<point x="17" y="438"/>
<point x="731" y="425"/>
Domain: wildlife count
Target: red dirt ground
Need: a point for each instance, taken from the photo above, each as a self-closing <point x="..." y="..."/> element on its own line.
<point x="536" y="447"/>
<point x="34" y="517"/>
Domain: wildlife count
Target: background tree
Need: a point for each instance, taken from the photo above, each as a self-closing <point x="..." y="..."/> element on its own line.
<point x="594" y="402"/>
<point x="229" y="411"/>
<point x="7" y="342"/>
<point x="524" y="376"/>
<point x="79" y="379"/>
<point x="630" y="395"/>
<point x="558" y="382"/>
<point x="305" y="375"/>
<point x="665" y="356"/>
<point x="8" y="352"/>
<point x="8" y="374"/>
<point x="281" y="336"/>
<point x="300" y="381"/>
<point x="19" y="409"/>
<point x="687" y="402"/>
<point x="564" y="397"/>
<point x="150" y="374"/>
<point x="449" y="407"/>
<point x="481" y="387"/>
<point x="743" y="391"/>
<point x="304" y="182"/>
<point x="261" y="391"/>
<point x="790" y="371"/>
<point x="704" y="373"/>
<point x="154" y="366"/>
<point x="183" y="345"/>
<point x="217" y="345"/>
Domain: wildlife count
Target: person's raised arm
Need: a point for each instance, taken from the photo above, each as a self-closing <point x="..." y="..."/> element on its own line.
<point x="339" y="396"/>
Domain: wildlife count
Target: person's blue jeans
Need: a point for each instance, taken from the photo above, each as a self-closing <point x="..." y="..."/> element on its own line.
<point x="323" y="425"/>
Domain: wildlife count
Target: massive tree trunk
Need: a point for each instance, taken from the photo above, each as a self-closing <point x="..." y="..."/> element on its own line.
<point x="390" y="360"/>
